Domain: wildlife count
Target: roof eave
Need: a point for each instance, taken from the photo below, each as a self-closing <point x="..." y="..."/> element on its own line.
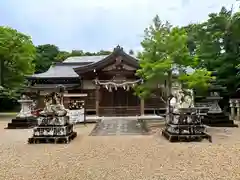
<point x="104" y="62"/>
<point x="34" y="78"/>
<point x="42" y="88"/>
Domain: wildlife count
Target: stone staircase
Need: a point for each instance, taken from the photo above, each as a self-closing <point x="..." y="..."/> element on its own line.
<point x="22" y="123"/>
<point x="218" y="120"/>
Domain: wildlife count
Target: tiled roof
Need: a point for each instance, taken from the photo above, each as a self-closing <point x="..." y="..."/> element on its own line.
<point x="58" y="71"/>
<point x="79" y="59"/>
<point x="66" y="69"/>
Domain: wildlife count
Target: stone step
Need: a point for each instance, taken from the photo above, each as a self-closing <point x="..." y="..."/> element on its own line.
<point x="19" y="126"/>
<point x="24" y="120"/>
<point x="22" y="123"/>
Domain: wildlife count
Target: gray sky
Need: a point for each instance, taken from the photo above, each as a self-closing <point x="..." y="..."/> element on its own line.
<point x="93" y="25"/>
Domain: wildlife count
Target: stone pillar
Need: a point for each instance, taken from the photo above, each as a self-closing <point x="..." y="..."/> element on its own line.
<point x="238" y="109"/>
<point x="97" y="100"/>
<point x="232" y="115"/>
<point x="142" y="107"/>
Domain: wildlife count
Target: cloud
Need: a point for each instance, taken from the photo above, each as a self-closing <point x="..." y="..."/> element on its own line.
<point x="185" y="2"/>
<point x="93" y="24"/>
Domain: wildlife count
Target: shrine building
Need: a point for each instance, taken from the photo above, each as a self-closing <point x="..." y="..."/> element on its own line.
<point x="105" y="83"/>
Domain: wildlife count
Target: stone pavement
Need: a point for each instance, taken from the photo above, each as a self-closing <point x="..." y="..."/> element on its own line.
<point x="115" y="127"/>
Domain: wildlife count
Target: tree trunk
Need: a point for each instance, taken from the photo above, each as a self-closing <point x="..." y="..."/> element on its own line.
<point x="169" y="93"/>
<point x="169" y="83"/>
<point x="1" y="72"/>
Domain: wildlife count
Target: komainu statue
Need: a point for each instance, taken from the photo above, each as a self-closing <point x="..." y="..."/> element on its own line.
<point x="54" y="110"/>
<point x="181" y="100"/>
<point x="53" y="125"/>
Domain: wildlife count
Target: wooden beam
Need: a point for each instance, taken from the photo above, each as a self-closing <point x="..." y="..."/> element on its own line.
<point x="75" y="95"/>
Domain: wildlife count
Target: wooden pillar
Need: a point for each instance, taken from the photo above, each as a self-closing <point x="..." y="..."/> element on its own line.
<point x="142" y="107"/>
<point x="97" y="99"/>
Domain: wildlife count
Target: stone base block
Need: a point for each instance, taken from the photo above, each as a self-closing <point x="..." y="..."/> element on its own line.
<point x="52" y="130"/>
<point x="23" y="123"/>
<point x="185" y="137"/>
<point x="52" y="139"/>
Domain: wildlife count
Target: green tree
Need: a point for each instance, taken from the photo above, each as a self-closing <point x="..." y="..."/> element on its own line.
<point x="103" y="52"/>
<point x="192" y="33"/>
<point x="46" y="55"/>
<point x="77" y="53"/>
<point x="166" y="57"/>
<point x="17" y="53"/>
<point x="216" y="42"/>
<point x="62" y="55"/>
<point x="82" y="53"/>
<point x="230" y="53"/>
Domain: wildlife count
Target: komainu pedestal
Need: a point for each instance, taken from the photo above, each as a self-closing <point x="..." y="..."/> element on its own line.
<point x="24" y="119"/>
<point x="185" y="126"/>
<point x="183" y="121"/>
<point x="54" y="125"/>
<point x="53" y="130"/>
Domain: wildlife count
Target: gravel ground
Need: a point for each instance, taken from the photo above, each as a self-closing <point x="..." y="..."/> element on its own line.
<point x="119" y="157"/>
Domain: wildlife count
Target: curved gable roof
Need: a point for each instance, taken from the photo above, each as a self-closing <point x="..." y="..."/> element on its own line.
<point x="118" y="51"/>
